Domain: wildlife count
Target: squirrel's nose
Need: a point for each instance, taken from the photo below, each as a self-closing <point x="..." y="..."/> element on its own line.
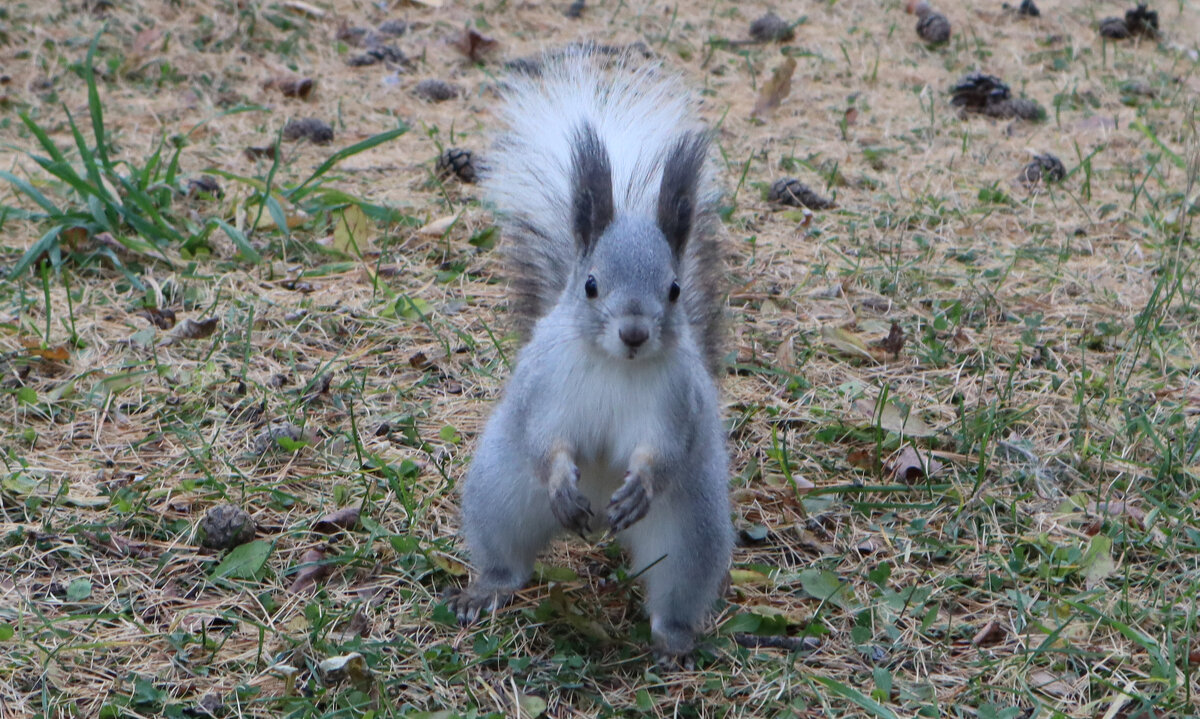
<point x="634" y="335"/>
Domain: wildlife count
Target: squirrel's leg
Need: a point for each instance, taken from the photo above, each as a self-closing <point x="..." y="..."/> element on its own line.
<point x="686" y="540"/>
<point x="506" y="521"/>
<point x="568" y="504"/>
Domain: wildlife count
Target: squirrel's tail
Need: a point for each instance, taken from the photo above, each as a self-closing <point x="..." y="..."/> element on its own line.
<point x="638" y="113"/>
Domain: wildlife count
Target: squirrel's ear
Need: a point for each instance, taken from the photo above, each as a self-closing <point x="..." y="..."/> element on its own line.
<point x="592" y="204"/>
<point x="677" y="194"/>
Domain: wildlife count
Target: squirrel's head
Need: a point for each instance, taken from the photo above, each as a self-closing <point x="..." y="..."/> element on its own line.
<point x="628" y="281"/>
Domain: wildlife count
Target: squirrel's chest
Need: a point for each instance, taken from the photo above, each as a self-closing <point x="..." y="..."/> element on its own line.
<point x="605" y="414"/>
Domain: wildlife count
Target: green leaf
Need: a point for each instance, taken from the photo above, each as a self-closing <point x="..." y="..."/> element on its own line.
<point x="531" y="706"/>
<point x="6" y="632"/>
<point x="826" y="586"/>
<point x="27" y="395"/>
<point x="244" y="561"/>
<point x="79" y="589"/>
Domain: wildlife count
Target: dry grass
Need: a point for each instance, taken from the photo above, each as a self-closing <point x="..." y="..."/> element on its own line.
<point x="1047" y="569"/>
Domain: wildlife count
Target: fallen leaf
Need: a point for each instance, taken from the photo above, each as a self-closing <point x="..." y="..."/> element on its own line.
<point x="255" y="153"/>
<point x="991" y="633"/>
<point x="311" y="571"/>
<point x="846" y="342"/>
<point x="345" y="518"/>
<point x="1051" y="684"/>
<point x="864" y="459"/>
<point x="57" y="353"/>
<point x="1097" y="562"/>
<point x="303" y="8"/>
<point x="353" y="233"/>
<point x="351" y="666"/>
<point x="748" y="577"/>
<point x="300" y="87"/>
<point x="851" y="115"/>
<point x="160" y="318"/>
<point x="894" y="342"/>
<point x="775" y="89"/>
<point x="911" y="465"/>
<point x="1117" y="508"/>
<point x="475" y="46"/>
<point x="74" y="237"/>
<point x="531" y="706"/>
<point x="191" y="329"/>
<point x="826" y="586"/>
<point x="893" y="419"/>
<point x="418" y="360"/>
<point x="438" y="227"/>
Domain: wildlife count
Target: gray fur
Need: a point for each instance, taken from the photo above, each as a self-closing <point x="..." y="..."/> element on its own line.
<point x="611" y="418"/>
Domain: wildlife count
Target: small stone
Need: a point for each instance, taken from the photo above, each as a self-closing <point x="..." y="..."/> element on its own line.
<point x="377" y="53"/>
<point x="771" y="28"/>
<point x="1044" y="168"/>
<point x="435" y="90"/>
<point x="1114" y="28"/>
<point x="308" y="128"/>
<point x="1028" y="9"/>
<point x="794" y="193"/>
<point x="934" y="28"/>
<point x="226" y="526"/>
<point x="459" y="162"/>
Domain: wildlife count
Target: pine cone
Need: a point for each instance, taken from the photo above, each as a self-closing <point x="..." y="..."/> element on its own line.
<point x="457" y="161"/>
<point x="794" y="193"/>
<point x="1044" y="168"/>
<point x="435" y="90"/>
<point x="1142" y="21"/>
<point x="933" y="28"/>
<point x="1020" y="107"/>
<point x="771" y="28"/>
<point x="1028" y="9"/>
<point x="226" y="526"/>
<point x="309" y="128"/>
<point x="975" y="92"/>
<point x="1114" y="28"/>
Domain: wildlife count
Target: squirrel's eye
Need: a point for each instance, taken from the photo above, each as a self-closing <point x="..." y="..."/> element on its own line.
<point x="674" y="293"/>
<point x="590" y="288"/>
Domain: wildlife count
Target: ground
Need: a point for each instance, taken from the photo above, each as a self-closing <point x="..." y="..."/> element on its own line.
<point x="995" y="518"/>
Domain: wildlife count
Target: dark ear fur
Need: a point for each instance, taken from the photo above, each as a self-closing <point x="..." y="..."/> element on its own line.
<point x="677" y="194"/>
<point x="592" y="204"/>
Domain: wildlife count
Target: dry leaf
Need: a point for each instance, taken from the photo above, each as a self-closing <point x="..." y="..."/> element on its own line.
<point x="475" y="46"/>
<point x="311" y="572"/>
<point x="846" y="342"/>
<point x="304" y="8"/>
<point x="438" y="227"/>
<point x="57" y="353"/>
<point x="891" y="418"/>
<point x="160" y="318"/>
<point x="1117" y="508"/>
<point x="74" y="237"/>
<point x="353" y="234"/>
<point x="991" y="633"/>
<point x="191" y="329"/>
<point x="910" y="465"/>
<point x="775" y="90"/>
<point x="345" y="518"/>
<point x="894" y="342"/>
<point x="254" y="153"/>
<point x="864" y="459"/>
<point x="351" y="666"/>
<point x="1051" y="684"/>
<point x="300" y="87"/>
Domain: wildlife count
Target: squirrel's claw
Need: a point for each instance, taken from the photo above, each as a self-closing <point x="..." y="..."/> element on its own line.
<point x="570" y="507"/>
<point x="629" y="503"/>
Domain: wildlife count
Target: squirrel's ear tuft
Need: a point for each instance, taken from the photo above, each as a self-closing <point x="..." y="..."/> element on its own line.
<point x="592" y="204"/>
<point x="677" y="194"/>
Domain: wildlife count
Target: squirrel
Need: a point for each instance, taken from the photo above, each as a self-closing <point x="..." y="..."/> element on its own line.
<point x="604" y="191"/>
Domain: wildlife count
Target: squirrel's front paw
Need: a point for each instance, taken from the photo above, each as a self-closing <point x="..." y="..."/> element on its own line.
<point x="467" y="604"/>
<point x="629" y="503"/>
<point x="570" y="507"/>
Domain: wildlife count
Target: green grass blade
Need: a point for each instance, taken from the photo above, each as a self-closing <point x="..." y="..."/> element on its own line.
<point x="43" y="139"/>
<point x="45" y="244"/>
<point x="857" y="697"/>
<point x="95" y="108"/>
<point x="33" y="194"/>
<point x="239" y="238"/>
<point x="89" y="160"/>
<point x="296" y="193"/>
